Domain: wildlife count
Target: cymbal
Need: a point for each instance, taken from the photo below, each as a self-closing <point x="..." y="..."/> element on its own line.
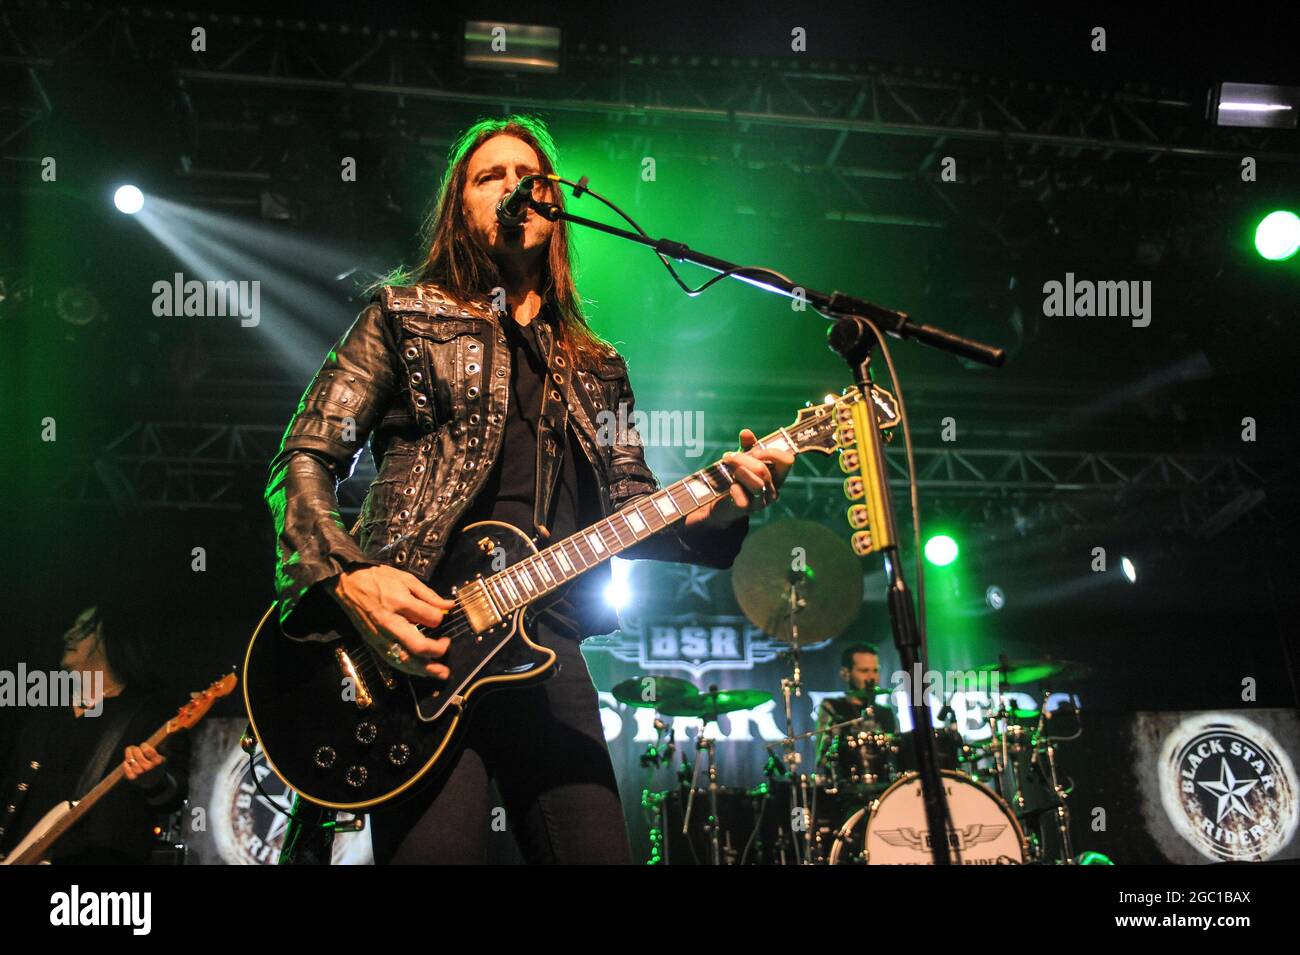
<point x="829" y="580"/>
<point x="650" y="691"/>
<point x="1020" y="672"/>
<point x="709" y="706"/>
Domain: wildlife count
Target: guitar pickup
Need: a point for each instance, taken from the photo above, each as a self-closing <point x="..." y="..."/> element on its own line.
<point x="481" y="613"/>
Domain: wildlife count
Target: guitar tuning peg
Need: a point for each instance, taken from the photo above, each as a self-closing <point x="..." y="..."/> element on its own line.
<point x="862" y="544"/>
<point x="849" y="460"/>
<point x="854" y="489"/>
<point x="859" y="519"/>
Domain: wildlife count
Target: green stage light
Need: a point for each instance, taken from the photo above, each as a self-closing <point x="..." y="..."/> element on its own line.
<point x="941" y="550"/>
<point x="1277" y="237"/>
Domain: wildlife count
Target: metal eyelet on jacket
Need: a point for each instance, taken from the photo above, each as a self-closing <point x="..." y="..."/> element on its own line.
<point x="473" y="442"/>
<point x="417" y="378"/>
<point x="412" y="352"/>
<point x="501" y="373"/>
<point x="421" y="401"/>
<point x="474" y="419"/>
<point x="472" y="391"/>
<point x="404" y="515"/>
<point x="472" y="368"/>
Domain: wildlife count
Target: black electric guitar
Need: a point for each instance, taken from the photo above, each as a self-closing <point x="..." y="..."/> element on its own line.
<point x="346" y="731"/>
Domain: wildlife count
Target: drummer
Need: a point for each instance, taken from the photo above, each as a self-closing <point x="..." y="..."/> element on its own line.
<point x="860" y="671"/>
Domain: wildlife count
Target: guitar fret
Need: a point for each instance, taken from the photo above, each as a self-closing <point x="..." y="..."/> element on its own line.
<point x="613" y="523"/>
<point x="498" y="594"/>
<point x="544" y="571"/>
<point x="510" y="588"/>
<point x="635" y="521"/>
<point x="526" y="579"/>
<point x="682" y="499"/>
<point x="562" y="559"/>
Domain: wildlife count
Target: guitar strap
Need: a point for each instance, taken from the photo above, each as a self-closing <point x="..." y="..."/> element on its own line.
<point x="110" y="743"/>
<point x="552" y="421"/>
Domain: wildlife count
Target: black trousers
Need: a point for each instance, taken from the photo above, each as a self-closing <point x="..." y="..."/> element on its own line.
<point x="545" y="750"/>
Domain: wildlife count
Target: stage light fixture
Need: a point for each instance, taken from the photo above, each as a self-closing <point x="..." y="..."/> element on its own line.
<point x="995" y="598"/>
<point x="1277" y="237"/>
<point x="1255" y="105"/>
<point x="618" y="594"/>
<point x="941" y="550"/>
<point x="512" y="47"/>
<point x="1129" y="569"/>
<point x="128" y="199"/>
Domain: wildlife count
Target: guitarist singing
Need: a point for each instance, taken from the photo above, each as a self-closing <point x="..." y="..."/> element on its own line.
<point x="479" y="384"/>
<point x="74" y="746"/>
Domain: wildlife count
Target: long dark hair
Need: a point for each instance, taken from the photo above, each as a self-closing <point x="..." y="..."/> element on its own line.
<point x="462" y="267"/>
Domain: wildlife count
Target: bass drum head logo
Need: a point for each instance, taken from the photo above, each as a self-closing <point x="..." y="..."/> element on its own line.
<point x="247" y="831"/>
<point x="1228" y="788"/>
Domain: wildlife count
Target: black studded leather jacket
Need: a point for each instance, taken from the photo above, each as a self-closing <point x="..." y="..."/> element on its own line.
<point x="422" y="375"/>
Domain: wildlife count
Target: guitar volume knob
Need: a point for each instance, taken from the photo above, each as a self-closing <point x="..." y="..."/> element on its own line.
<point x="366" y="733"/>
<point x="356" y="776"/>
<point x="399" y="753"/>
<point x="324" y="757"/>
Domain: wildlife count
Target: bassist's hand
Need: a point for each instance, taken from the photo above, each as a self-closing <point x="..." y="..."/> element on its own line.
<point x="385" y="605"/>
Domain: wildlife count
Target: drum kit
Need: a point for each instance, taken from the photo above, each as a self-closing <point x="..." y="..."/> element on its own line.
<point x="862" y="803"/>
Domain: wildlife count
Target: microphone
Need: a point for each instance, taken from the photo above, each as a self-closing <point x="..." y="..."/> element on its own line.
<point x="513" y="209"/>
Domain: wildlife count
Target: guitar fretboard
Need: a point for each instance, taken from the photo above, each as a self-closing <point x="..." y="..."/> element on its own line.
<point x="534" y="577"/>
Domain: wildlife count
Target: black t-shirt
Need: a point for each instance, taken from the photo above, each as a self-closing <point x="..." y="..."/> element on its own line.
<point x="510" y="489"/>
<point x="118" y="829"/>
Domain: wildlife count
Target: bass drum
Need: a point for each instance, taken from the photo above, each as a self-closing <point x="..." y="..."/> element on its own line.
<point x="893" y="831"/>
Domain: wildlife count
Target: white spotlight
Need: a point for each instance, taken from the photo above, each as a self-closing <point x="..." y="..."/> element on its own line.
<point x="618" y="594"/>
<point x="1130" y="571"/>
<point x="128" y="199"/>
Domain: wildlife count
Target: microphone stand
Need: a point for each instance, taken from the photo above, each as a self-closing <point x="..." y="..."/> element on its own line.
<point x="852" y="338"/>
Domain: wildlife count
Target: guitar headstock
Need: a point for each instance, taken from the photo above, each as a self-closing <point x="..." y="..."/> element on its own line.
<point x="828" y="427"/>
<point x="831" y="426"/>
<point x="197" y="708"/>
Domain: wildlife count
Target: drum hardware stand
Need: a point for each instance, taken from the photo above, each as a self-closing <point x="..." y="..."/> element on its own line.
<point x="792" y="687"/>
<point x="706" y="746"/>
<point x="1062" y="807"/>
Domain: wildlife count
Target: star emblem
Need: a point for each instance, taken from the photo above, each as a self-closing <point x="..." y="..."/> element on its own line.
<point x="1229" y="790"/>
<point x="695" y="581"/>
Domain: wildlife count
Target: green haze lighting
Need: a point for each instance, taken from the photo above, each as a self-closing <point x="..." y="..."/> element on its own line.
<point x="1277" y="237"/>
<point x="941" y="550"/>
